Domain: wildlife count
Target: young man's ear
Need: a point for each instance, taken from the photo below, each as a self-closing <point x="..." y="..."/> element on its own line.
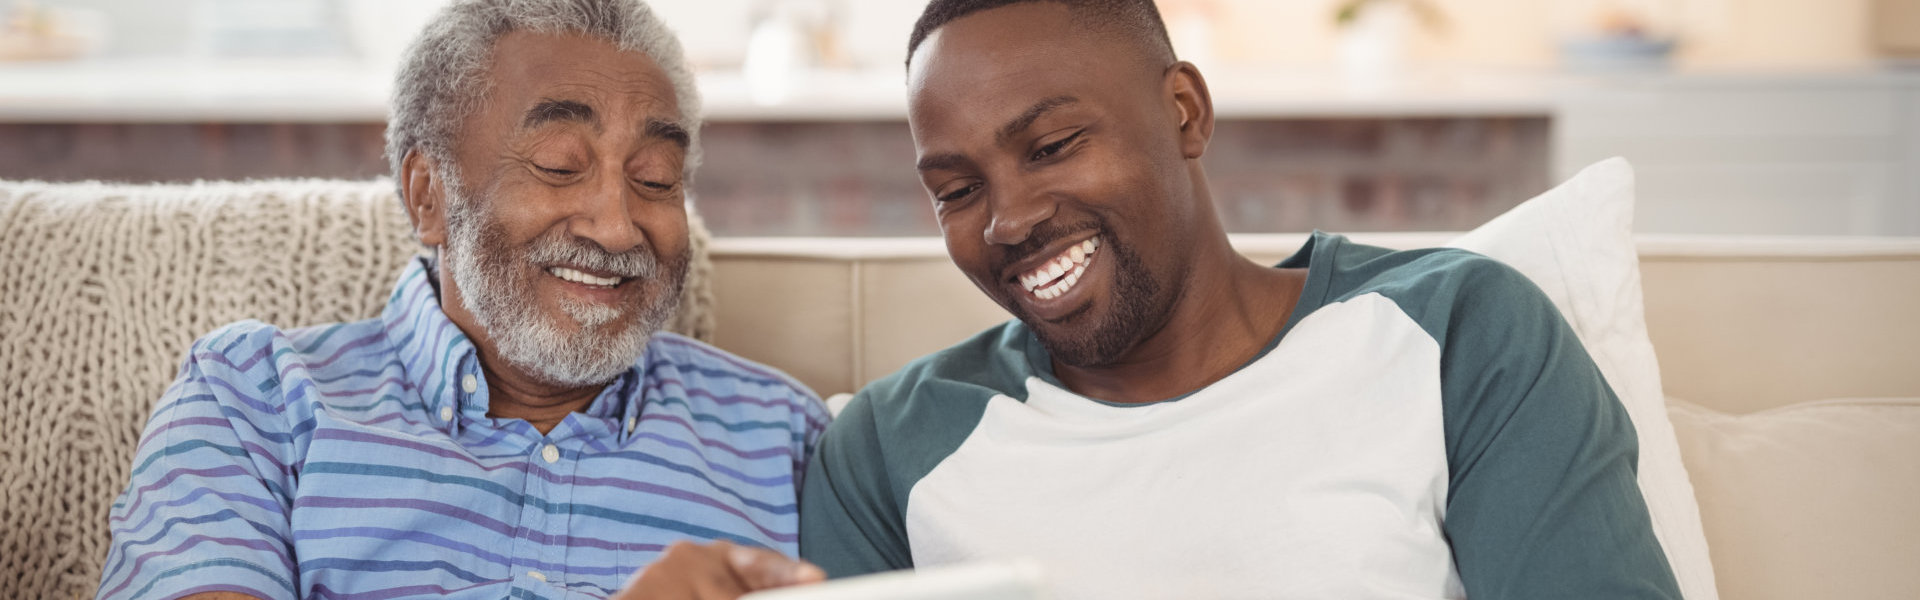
<point x="425" y="197"/>
<point x="1194" y="105"/>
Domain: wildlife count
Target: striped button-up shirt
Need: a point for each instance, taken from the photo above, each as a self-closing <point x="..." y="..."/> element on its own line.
<point x="357" y="460"/>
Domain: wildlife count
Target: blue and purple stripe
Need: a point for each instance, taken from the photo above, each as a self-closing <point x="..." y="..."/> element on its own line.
<point x="327" y="444"/>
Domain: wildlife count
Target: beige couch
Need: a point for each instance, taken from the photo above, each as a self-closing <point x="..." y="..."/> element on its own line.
<point x="1792" y="355"/>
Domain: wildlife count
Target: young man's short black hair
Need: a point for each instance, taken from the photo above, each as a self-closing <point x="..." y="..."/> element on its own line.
<point x="1136" y="19"/>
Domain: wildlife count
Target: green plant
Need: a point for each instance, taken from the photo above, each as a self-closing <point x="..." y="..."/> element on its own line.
<point x="1348" y="11"/>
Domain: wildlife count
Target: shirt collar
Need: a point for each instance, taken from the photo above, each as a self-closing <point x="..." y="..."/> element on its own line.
<point x="443" y="365"/>
<point x="436" y="354"/>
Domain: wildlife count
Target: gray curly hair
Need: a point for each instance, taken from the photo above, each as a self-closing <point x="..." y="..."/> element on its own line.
<point x="443" y="77"/>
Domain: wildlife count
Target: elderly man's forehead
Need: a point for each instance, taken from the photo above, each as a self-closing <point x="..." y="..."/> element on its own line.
<point x="597" y="70"/>
<point x="553" y="110"/>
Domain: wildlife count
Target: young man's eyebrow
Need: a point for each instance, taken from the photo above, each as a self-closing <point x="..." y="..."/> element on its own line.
<point x="550" y="110"/>
<point x="1033" y="113"/>
<point x="940" y="162"/>
<point x="948" y="162"/>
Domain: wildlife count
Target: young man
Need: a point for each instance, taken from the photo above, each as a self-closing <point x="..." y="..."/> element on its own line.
<point x="1165" y="418"/>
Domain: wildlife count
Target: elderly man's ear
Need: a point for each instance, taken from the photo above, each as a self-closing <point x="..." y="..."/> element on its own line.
<point x="425" y="196"/>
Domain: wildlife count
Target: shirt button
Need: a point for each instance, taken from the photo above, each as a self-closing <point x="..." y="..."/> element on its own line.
<point x="446" y="413"/>
<point x="469" y="384"/>
<point x="537" y="575"/>
<point x="630" y="424"/>
<point x="550" y="453"/>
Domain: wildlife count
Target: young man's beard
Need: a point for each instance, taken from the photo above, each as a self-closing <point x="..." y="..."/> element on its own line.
<point x="496" y="286"/>
<point x="1138" y="309"/>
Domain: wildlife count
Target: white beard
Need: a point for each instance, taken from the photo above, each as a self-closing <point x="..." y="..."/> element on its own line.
<point x="496" y="289"/>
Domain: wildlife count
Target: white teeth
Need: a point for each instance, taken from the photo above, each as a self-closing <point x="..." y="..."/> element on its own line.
<point x="579" y="277"/>
<point x="1063" y="271"/>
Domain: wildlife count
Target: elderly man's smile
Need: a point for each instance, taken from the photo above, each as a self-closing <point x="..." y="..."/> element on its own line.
<point x="612" y="292"/>
<point x="584" y="278"/>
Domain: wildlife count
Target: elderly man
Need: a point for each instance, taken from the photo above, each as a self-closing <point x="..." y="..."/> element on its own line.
<point x="514" y="424"/>
<point x="1164" y="418"/>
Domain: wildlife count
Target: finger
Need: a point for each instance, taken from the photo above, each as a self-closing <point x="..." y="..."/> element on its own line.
<point x="685" y="571"/>
<point x="721" y="586"/>
<point x="759" y="568"/>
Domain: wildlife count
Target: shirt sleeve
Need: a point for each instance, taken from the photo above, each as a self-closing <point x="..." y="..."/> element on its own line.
<point x="206" y="508"/>
<point x="809" y="422"/>
<point x="851" y="523"/>
<point x="1543" y="499"/>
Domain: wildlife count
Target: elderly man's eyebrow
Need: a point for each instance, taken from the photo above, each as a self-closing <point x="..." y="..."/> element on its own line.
<point x="1033" y="113"/>
<point x="550" y="110"/>
<point x="670" y="131"/>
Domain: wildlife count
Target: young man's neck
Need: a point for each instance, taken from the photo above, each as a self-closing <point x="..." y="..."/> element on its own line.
<point x="1230" y="312"/>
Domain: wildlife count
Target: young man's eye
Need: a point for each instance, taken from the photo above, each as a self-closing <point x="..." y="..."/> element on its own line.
<point x="1054" y="148"/>
<point x="958" y="194"/>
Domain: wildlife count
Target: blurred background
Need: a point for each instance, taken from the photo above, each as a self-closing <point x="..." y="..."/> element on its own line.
<point x="1742" y="116"/>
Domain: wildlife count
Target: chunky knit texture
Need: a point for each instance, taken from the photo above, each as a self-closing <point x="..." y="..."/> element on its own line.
<point x="102" y="288"/>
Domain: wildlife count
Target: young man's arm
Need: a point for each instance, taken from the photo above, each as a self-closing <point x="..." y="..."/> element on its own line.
<point x="206" y="509"/>
<point x="1543" y="498"/>
<point x="850" y="522"/>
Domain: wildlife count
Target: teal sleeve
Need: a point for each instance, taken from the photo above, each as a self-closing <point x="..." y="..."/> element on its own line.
<point x="1543" y="498"/>
<point x="851" y="523"/>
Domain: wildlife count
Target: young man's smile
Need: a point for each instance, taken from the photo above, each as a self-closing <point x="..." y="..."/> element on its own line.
<point x="1048" y="284"/>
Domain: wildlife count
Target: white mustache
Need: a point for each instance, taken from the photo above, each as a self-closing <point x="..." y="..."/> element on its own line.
<point x="638" y="263"/>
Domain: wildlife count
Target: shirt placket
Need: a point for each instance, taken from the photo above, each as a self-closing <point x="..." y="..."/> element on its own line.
<point x="537" y="563"/>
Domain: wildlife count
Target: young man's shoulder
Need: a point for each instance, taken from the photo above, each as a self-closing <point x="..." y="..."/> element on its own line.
<point x="989" y="363"/>
<point x="1434" y="286"/>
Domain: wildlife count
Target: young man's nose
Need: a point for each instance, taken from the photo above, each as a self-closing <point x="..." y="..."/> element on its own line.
<point x="1016" y="210"/>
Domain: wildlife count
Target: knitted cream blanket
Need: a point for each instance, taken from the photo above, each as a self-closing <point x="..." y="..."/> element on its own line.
<point x="102" y="288"/>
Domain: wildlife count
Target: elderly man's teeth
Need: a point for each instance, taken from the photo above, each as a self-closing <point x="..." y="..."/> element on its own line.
<point x="578" y="277"/>
<point x="1054" y="278"/>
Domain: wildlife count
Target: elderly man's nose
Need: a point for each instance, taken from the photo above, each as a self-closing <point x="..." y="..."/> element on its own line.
<point x="606" y="217"/>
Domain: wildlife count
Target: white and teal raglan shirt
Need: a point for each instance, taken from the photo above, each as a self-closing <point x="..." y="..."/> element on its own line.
<point x="1425" y="426"/>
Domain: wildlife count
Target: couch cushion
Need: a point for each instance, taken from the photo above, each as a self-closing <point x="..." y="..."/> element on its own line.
<point x="1820" y="317"/>
<point x="102" y="287"/>
<point x="1813" y="500"/>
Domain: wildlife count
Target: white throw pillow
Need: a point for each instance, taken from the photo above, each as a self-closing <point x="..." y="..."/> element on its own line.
<point x="1576" y="242"/>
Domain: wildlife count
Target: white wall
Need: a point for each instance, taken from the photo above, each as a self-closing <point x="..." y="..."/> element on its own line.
<point x="1500" y="32"/>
